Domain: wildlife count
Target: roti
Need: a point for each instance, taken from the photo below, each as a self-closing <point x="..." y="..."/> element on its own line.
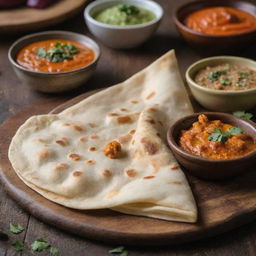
<point x="110" y="151"/>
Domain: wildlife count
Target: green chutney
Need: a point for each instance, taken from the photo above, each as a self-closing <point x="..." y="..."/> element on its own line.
<point x="125" y="15"/>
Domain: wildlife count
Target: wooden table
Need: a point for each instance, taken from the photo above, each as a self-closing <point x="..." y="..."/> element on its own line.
<point x="114" y="66"/>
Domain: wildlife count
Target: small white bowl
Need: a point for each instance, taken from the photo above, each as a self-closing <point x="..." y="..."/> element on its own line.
<point x="116" y="36"/>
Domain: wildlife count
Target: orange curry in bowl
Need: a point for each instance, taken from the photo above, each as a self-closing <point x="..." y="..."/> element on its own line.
<point x="216" y="140"/>
<point x="55" y="55"/>
<point x="221" y="21"/>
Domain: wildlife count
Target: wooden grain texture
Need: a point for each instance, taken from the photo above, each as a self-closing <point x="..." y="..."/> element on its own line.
<point x="114" y="66"/>
<point x="222" y="205"/>
<point x="27" y="18"/>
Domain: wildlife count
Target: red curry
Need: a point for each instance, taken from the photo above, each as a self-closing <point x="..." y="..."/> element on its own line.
<point x="39" y="56"/>
<point x="221" y="21"/>
<point x="207" y="139"/>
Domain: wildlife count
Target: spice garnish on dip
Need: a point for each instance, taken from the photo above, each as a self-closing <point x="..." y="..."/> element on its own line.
<point x="216" y="140"/>
<point x="227" y="77"/>
<point x="221" y="21"/>
<point x="55" y="56"/>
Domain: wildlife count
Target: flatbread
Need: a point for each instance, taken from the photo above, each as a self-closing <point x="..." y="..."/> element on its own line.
<point x="63" y="157"/>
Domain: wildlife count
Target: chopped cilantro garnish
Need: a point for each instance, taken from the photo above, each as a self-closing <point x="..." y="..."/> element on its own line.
<point x="18" y="246"/>
<point x="16" y="229"/>
<point x="243" y="75"/>
<point x="214" y="75"/>
<point x="39" y="245"/>
<point x="243" y="114"/>
<point x="59" y="53"/>
<point x="225" y="81"/>
<point x="54" y="251"/>
<point x="129" y="9"/>
<point x="219" y="135"/>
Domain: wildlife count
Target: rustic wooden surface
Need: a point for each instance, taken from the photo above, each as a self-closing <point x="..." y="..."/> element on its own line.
<point x="222" y="205"/>
<point x="14" y="96"/>
<point x="26" y="18"/>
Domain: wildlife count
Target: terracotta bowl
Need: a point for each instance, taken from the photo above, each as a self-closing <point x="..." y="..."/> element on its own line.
<point x="205" y="168"/>
<point x="211" y="43"/>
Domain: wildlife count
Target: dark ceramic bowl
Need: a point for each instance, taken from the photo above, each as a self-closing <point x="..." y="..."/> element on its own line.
<point x="212" y="43"/>
<point x="206" y="168"/>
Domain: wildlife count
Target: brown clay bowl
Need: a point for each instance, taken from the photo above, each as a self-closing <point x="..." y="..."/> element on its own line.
<point x="212" y="43"/>
<point x="205" y="168"/>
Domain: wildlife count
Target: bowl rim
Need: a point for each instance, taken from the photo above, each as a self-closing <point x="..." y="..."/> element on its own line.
<point x="173" y="144"/>
<point x="89" y="18"/>
<point x="191" y="81"/>
<point x="179" y="23"/>
<point x="96" y="50"/>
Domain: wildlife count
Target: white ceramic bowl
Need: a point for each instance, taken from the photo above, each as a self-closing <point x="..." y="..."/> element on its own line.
<point x="116" y="36"/>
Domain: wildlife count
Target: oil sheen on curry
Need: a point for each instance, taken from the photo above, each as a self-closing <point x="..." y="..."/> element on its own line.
<point x="55" y="55"/>
<point x="215" y="139"/>
<point x="221" y="21"/>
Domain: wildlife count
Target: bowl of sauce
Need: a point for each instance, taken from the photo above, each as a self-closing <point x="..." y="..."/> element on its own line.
<point x="222" y="26"/>
<point x="54" y="61"/>
<point x="214" y="145"/>
<point x="223" y="83"/>
<point x="123" y="24"/>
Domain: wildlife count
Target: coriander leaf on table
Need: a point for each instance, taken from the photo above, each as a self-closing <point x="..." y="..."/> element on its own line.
<point x="117" y="250"/>
<point x="39" y="245"/>
<point x="16" y="229"/>
<point x="243" y="114"/>
<point x="124" y="253"/>
<point x="18" y="246"/>
<point x="54" y="251"/>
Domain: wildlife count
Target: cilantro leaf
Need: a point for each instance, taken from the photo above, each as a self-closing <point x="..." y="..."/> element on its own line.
<point x="235" y="130"/>
<point x="39" y="245"/>
<point x="214" y="75"/>
<point x="124" y="253"/>
<point x="219" y="135"/>
<point x="54" y="251"/>
<point x="225" y="81"/>
<point x="18" y="246"/>
<point x="117" y="250"/>
<point x="243" y="114"/>
<point x="16" y="229"/>
<point x="59" y="53"/>
<point x="41" y="52"/>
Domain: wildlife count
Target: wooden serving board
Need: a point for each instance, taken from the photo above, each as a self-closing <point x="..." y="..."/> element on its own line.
<point x="22" y="19"/>
<point x="222" y="205"/>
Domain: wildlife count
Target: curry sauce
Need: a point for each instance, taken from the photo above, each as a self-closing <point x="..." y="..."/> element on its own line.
<point x="34" y="56"/>
<point x="216" y="140"/>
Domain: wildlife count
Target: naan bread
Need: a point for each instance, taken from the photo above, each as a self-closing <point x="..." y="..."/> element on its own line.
<point x="62" y="156"/>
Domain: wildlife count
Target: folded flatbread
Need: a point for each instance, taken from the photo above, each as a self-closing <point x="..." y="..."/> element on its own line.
<point x="63" y="157"/>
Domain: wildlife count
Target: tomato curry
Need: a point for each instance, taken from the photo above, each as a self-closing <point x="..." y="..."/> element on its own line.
<point x="55" y="55"/>
<point x="221" y="21"/>
<point x="217" y="140"/>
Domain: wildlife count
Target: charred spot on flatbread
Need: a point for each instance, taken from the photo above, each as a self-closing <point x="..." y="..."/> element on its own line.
<point x="150" y="147"/>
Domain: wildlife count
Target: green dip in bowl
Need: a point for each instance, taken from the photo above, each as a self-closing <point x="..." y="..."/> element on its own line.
<point x="125" y="15"/>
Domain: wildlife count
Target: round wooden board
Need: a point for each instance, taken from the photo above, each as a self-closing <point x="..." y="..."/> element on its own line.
<point x="27" y="19"/>
<point x="222" y="205"/>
